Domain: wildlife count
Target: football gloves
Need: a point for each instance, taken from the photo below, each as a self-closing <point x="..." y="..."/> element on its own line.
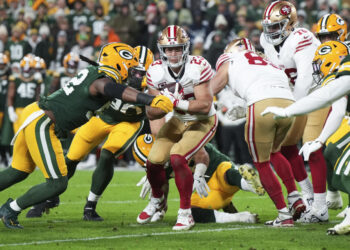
<point x="279" y="113"/>
<point x="309" y="147"/>
<point x="162" y="102"/>
<point x="236" y="112"/>
<point x="12" y="114"/>
<point x="200" y="185"/>
<point x="146" y="187"/>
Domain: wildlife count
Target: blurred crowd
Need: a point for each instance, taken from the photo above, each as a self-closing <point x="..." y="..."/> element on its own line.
<point x="51" y="29"/>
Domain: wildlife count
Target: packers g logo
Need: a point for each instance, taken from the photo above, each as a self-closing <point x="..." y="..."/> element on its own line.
<point x="126" y="54"/>
<point x="340" y="21"/>
<point x="325" y="50"/>
<point x="148" y="139"/>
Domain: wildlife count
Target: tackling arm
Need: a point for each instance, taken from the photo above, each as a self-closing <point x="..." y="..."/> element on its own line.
<point x="219" y="81"/>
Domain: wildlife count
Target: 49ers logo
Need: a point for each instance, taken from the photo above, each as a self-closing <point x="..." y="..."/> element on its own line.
<point x="285" y="10"/>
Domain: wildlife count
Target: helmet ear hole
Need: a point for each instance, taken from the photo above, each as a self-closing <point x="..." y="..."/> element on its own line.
<point x="328" y="64"/>
<point x="118" y="67"/>
<point x="105" y="54"/>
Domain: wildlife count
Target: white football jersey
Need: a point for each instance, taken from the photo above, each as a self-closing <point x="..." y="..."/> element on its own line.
<point x="253" y="78"/>
<point x="295" y="58"/>
<point x="196" y="71"/>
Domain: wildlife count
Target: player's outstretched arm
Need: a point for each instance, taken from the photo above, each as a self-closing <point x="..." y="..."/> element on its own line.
<point x="110" y="89"/>
<point x="155" y="113"/>
<point x="219" y="81"/>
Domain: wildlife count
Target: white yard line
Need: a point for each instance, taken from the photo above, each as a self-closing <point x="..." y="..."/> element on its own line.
<point x="130" y="236"/>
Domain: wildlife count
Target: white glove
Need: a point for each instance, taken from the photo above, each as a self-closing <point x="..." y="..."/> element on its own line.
<point x="199" y="183"/>
<point x="12" y="114"/>
<point x="146" y="187"/>
<point x="310" y="147"/>
<point x="178" y="94"/>
<point x="236" y="112"/>
<point x="279" y="113"/>
<point x="168" y="94"/>
<point x="38" y="77"/>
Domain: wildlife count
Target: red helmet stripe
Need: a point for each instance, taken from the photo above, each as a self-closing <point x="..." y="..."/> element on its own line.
<point x="269" y="8"/>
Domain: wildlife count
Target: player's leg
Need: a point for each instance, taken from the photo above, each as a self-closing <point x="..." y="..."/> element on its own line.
<point x="318" y="167"/>
<point x="169" y="134"/>
<point x="118" y="141"/>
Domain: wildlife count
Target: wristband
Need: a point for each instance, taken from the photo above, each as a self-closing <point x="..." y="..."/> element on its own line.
<point x="145" y="99"/>
<point x="200" y="169"/>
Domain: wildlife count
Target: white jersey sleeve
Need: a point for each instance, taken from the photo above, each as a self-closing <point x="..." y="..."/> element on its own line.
<point x="321" y="97"/>
<point x="155" y="74"/>
<point x="200" y="70"/>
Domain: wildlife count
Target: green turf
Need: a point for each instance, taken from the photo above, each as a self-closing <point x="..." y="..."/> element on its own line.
<point x="64" y="228"/>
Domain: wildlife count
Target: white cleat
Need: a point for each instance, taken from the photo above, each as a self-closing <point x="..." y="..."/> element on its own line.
<point x="155" y="205"/>
<point x="314" y="215"/>
<point x="284" y="219"/>
<point x="341" y="228"/>
<point x="158" y="216"/>
<point x="308" y="199"/>
<point x="184" y="220"/>
<point x="247" y="217"/>
<point x="343" y="213"/>
<point x="334" y="200"/>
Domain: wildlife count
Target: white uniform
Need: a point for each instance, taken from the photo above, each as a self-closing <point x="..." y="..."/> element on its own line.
<point x="295" y="58"/>
<point x="254" y="79"/>
<point x="196" y="71"/>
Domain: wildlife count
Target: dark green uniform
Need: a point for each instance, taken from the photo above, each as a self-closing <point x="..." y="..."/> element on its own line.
<point x="3" y="91"/>
<point x="25" y="91"/>
<point x="17" y="49"/>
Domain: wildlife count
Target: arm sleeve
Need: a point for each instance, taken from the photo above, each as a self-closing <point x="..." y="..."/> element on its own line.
<point x="334" y="119"/>
<point x="303" y="61"/>
<point x="113" y="90"/>
<point x="321" y="98"/>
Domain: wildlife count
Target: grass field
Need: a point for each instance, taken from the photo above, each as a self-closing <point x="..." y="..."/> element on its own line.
<point x="64" y="228"/>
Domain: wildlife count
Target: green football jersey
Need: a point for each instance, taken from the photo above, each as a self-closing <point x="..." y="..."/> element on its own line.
<point x="3" y="91"/>
<point x="73" y="105"/>
<point x="25" y="91"/>
<point x="215" y="159"/>
<point x="344" y="67"/>
<point x="17" y="49"/>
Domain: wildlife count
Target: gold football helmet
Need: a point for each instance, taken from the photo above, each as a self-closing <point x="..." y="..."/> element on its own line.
<point x="174" y="36"/>
<point x="279" y="20"/>
<point x="137" y="74"/>
<point x="141" y="148"/>
<point x="39" y="64"/>
<point x="239" y="44"/>
<point x="4" y="63"/>
<point x="327" y="59"/>
<point x="331" y="27"/>
<point x="27" y="66"/>
<point x="71" y="62"/>
<point x="116" y="59"/>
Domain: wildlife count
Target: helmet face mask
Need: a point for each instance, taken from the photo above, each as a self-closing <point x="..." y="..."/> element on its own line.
<point x="27" y="66"/>
<point x="137" y="74"/>
<point x="71" y="62"/>
<point x="174" y="39"/>
<point x="327" y="59"/>
<point x="279" y="20"/>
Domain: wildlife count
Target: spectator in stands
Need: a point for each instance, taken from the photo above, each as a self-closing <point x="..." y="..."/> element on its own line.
<point x="310" y="7"/>
<point x="61" y="48"/>
<point x="180" y="15"/>
<point x="197" y="48"/>
<point x="41" y="14"/>
<point x="78" y="15"/>
<point x="3" y="37"/>
<point x="216" y="47"/>
<point x="44" y="49"/>
<point x="255" y="10"/>
<point x="33" y="39"/>
<point x="98" y="20"/>
<point x="83" y="48"/>
<point x="17" y="47"/>
<point x="140" y="18"/>
<point x="111" y="36"/>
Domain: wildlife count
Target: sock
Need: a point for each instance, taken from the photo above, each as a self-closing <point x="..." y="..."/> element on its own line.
<point x="71" y="167"/>
<point x="319" y="200"/>
<point x="270" y="183"/>
<point x="284" y="171"/>
<point x="42" y="192"/>
<point x="103" y="173"/>
<point x="306" y="187"/>
<point x="202" y="215"/>
<point x="291" y="153"/>
<point x="183" y="179"/>
<point x="156" y="177"/>
<point x="234" y="178"/>
<point x="11" y="176"/>
<point x="318" y="169"/>
<point x="93" y="197"/>
<point x="245" y="186"/>
<point x="15" y="206"/>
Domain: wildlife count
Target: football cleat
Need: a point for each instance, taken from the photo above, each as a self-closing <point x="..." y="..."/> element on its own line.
<point x="249" y="174"/>
<point x="284" y="219"/>
<point x="184" y="221"/>
<point x="296" y="205"/>
<point x="308" y="199"/>
<point x="341" y="228"/>
<point x="230" y="208"/>
<point x="38" y="210"/>
<point x="155" y="205"/>
<point x="247" y="217"/>
<point x="343" y="213"/>
<point x="9" y="216"/>
<point x="314" y="215"/>
<point x="90" y="213"/>
<point x="334" y="200"/>
<point x="158" y="216"/>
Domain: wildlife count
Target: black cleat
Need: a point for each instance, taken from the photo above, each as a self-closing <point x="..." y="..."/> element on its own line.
<point x="90" y="213"/>
<point x="38" y="210"/>
<point x="9" y="216"/>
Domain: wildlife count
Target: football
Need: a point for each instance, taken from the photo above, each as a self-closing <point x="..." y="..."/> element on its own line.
<point x="171" y="87"/>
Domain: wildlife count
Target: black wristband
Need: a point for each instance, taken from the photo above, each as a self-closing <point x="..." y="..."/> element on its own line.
<point x="145" y="99"/>
<point x="114" y="90"/>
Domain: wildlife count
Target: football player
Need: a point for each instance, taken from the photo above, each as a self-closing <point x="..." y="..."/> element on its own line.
<point x="331" y="65"/>
<point x="4" y="77"/>
<point x="293" y="49"/>
<point x="332" y="27"/>
<point x="259" y="83"/>
<point x="194" y="122"/>
<point x="36" y="143"/>
<point x="222" y="181"/>
<point x="118" y="126"/>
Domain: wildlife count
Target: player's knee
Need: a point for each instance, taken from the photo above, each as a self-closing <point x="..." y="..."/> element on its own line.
<point x="177" y="161"/>
<point x="59" y="184"/>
